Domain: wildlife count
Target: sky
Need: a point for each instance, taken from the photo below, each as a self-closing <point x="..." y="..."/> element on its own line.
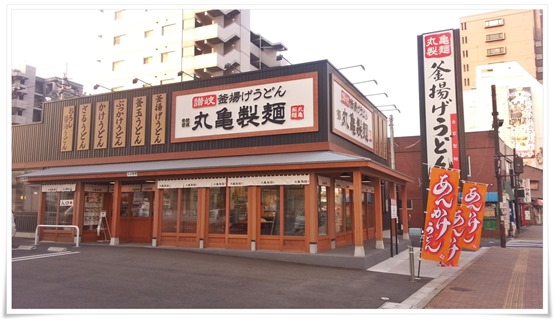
<point x="382" y="38"/>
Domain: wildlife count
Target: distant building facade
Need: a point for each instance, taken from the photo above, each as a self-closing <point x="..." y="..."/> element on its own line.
<point x="156" y="47"/>
<point x="501" y="36"/>
<point x="29" y="92"/>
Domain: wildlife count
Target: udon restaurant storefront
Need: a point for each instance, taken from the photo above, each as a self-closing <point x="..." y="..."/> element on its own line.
<point x="289" y="158"/>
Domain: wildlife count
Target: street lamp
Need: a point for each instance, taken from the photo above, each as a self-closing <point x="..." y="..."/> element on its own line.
<point x="395" y="108"/>
<point x="228" y="65"/>
<point x="97" y="86"/>
<point x="281" y="57"/>
<point x="365" y="81"/>
<point x="377" y="94"/>
<point x="181" y="73"/>
<point x="135" y="80"/>
<point x="361" y="66"/>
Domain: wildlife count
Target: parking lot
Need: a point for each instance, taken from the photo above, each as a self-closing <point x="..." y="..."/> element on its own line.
<point x="50" y="276"/>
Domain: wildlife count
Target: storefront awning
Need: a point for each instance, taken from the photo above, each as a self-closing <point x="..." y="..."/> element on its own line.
<point x="318" y="159"/>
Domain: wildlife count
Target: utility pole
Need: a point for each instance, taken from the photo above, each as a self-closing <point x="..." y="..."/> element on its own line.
<point x="497" y="166"/>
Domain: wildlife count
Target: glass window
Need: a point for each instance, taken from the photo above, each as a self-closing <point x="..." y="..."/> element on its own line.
<point x="166" y="56"/>
<point x="169" y="210"/>
<point x="66" y="211"/>
<point x="168" y="29"/>
<point x="50" y="208"/>
<point x="269" y="216"/>
<point x="238" y="210"/>
<point x="116" y="65"/>
<point x="216" y="210"/>
<point x="348" y="217"/>
<point x="294" y="210"/>
<point x="189" y="201"/>
<point x="147" y="60"/>
<point x="322" y="210"/>
<point x="149" y="33"/>
<point x="339" y="203"/>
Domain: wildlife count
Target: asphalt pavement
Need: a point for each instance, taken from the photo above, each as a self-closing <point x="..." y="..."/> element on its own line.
<point x="502" y="279"/>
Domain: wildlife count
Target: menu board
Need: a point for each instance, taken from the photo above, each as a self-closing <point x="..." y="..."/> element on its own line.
<point x="93" y="206"/>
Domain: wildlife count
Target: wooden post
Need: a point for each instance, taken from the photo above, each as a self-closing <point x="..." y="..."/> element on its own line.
<point x="357" y="212"/>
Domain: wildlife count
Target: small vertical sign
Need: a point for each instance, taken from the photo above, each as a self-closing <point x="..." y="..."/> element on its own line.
<point x="119" y="128"/>
<point x="138" y="118"/>
<point x="68" y="122"/>
<point x="84" y="127"/>
<point x="158" y="120"/>
<point x="101" y="125"/>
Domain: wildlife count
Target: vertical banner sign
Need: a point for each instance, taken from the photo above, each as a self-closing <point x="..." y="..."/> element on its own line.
<point x="472" y="205"/>
<point x="101" y="125"/>
<point x="439" y="89"/>
<point x="521" y="122"/>
<point x="68" y="122"/>
<point x="84" y="127"/>
<point x="440" y="213"/>
<point x="120" y="123"/>
<point x="158" y="120"/>
<point x="458" y="231"/>
<point x="138" y="127"/>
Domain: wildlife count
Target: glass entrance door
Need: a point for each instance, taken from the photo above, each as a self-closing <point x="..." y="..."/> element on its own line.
<point x="136" y="211"/>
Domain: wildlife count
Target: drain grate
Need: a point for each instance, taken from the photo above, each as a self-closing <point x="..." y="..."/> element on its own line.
<point x="456" y="288"/>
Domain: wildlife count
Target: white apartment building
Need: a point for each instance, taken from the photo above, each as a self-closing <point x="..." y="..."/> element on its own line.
<point x="152" y="47"/>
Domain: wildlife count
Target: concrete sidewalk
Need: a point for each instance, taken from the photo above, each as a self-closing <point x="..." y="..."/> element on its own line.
<point x="490" y="278"/>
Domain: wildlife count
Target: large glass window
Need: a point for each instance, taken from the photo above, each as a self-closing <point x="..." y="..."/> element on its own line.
<point x="269" y="216"/>
<point x="189" y="201"/>
<point x="216" y="210"/>
<point x="322" y="210"/>
<point x="169" y="210"/>
<point x="348" y="210"/>
<point x="58" y="208"/>
<point x="238" y="210"/>
<point x="294" y="220"/>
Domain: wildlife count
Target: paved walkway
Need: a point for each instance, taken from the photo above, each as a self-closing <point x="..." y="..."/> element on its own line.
<point x="490" y="278"/>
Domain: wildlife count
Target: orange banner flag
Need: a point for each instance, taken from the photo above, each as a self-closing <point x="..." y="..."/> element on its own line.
<point x="473" y="203"/>
<point x="440" y="213"/>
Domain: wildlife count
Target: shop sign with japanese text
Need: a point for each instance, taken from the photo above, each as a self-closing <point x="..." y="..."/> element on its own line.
<point x="271" y="106"/>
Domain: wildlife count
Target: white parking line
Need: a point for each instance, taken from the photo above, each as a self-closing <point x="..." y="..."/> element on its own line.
<point x="40" y="256"/>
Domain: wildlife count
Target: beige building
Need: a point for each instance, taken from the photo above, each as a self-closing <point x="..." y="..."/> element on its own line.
<point x="501" y="36"/>
<point x="154" y="47"/>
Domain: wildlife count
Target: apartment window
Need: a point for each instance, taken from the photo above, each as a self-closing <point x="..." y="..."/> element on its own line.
<point x="118" y="15"/>
<point x="495" y="23"/>
<point x="464" y="39"/>
<point x="117" y="40"/>
<point x="149" y="33"/>
<point x="496" y="51"/>
<point x="534" y="185"/>
<point x="495" y="36"/>
<point x="168" y="29"/>
<point x="116" y="65"/>
<point x="166" y="56"/>
<point x="465" y="53"/>
<point x="147" y="60"/>
<point x="463" y="26"/>
<point x="539" y="56"/>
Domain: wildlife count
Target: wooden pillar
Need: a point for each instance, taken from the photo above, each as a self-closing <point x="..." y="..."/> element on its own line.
<point x="253" y="215"/>
<point x="331" y="212"/>
<point x="116" y="201"/>
<point x="202" y="215"/>
<point x="78" y="210"/>
<point x="405" y="212"/>
<point x="311" y="216"/>
<point x="357" y="212"/>
<point x="157" y="209"/>
<point x="378" y="213"/>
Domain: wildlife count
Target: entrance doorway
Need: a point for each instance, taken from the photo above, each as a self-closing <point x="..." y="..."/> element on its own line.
<point x="136" y="211"/>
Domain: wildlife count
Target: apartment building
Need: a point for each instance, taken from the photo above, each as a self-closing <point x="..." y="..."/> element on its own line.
<point x="502" y="36"/>
<point x="154" y="47"/>
<point x="29" y="92"/>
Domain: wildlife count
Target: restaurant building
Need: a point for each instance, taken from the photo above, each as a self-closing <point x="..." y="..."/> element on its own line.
<point x="289" y="158"/>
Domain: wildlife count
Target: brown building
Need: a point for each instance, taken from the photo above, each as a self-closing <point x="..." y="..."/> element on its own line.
<point x="288" y="158"/>
<point x="480" y="153"/>
<point x="501" y="36"/>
